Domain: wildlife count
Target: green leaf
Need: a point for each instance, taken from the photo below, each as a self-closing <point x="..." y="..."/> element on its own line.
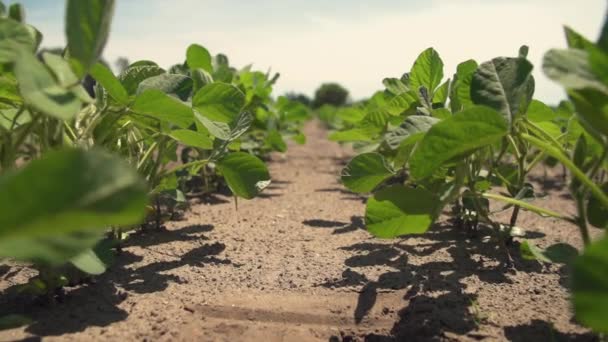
<point x="401" y="103"/>
<point x="14" y="37"/>
<point x="576" y="40"/>
<point x="366" y="133"/>
<point x="245" y="174"/>
<point x="539" y="112"/>
<point x="170" y="84"/>
<point x="399" y="210"/>
<point x="275" y="141"/>
<point x="16" y="12"/>
<point x="198" y="57"/>
<point x="365" y="172"/>
<point x="219" y="130"/>
<point x="504" y="85"/>
<point x="13" y="321"/>
<point x="457" y="136"/>
<point x="192" y="138"/>
<point x="110" y="83"/>
<point x="427" y="71"/>
<point x="531" y="252"/>
<point x="135" y="74"/>
<point x="65" y="76"/>
<point x="219" y="102"/>
<point x="87" y="28"/>
<point x="350" y="114"/>
<point x="597" y="214"/>
<point x="89" y="262"/>
<point x="41" y="91"/>
<point x="395" y="86"/>
<point x="65" y="201"/>
<point x="161" y="106"/>
<point x="591" y="110"/>
<point x="460" y="92"/>
<point x="299" y="138"/>
<point x="441" y="94"/>
<point x="413" y="125"/>
<point x="571" y="69"/>
<point x="590" y="286"/>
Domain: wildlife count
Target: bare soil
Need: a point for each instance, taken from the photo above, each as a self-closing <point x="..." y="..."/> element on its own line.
<point x="296" y="264"/>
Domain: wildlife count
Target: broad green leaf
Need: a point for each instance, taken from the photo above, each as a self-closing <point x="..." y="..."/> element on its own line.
<point x="89" y="262"/>
<point x="597" y="214"/>
<point x="220" y="130"/>
<point x="592" y="110"/>
<point x="161" y="106"/>
<point x="550" y="128"/>
<point x="299" y="138"/>
<point x="399" y="210"/>
<point x="395" y="86"/>
<point x="560" y="253"/>
<point x="110" y="83"/>
<point x="171" y="84"/>
<point x="503" y="84"/>
<point x="134" y="75"/>
<point x="246" y="175"/>
<point x="61" y="69"/>
<point x="198" y="57"/>
<point x="413" y="125"/>
<point x="460" y="92"/>
<point x="200" y="78"/>
<point x="457" y="136"/>
<point x="65" y="76"/>
<point x="13" y="320"/>
<point x="16" y="12"/>
<point x="350" y="114"/>
<point x="539" y="112"/>
<point x="87" y="28"/>
<point x="571" y="69"/>
<point x="427" y="71"/>
<point x="441" y="94"/>
<point x="602" y="41"/>
<point x="192" y="138"/>
<point x="40" y="90"/>
<point x="219" y="102"/>
<point x="366" y="133"/>
<point x="365" y="172"/>
<point x="275" y="141"/>
<point x="590" y="286"/>
<point x="14" y="37"/>
<point x="73" y="192"/>
<point x="576" y="40"/>
<point x="401" y="103"/>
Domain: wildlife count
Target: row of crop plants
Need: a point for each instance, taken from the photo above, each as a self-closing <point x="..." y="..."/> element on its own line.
<point x="83" y="166"/>
<point x="469" y="143"/>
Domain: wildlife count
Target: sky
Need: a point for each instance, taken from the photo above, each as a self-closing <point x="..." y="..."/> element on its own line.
<point x="356" y="43"/>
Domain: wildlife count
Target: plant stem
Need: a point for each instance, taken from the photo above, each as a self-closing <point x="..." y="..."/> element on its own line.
<point x="582" y="219"/>
<point x="528" y="206"/>
<point x="570" y="165"/>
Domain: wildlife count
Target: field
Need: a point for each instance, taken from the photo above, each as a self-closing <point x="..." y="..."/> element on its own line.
<point x="297" y="264"/>
<point x="194" y="203"/>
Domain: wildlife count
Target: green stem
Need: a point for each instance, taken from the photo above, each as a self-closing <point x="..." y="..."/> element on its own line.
<point x="570" y="166"/>
<point x="582" y="220"/>
<point x="541" y="132"/>
<point x="528" y="206"/>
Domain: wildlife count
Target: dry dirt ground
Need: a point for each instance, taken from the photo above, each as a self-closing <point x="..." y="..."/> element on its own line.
<point x="297" y="265"/>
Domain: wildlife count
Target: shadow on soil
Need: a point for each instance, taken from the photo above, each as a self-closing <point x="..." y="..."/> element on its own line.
<point x="97" y="303"/>
<point x="355" y="223"/>
<point x="450" y="309"/>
